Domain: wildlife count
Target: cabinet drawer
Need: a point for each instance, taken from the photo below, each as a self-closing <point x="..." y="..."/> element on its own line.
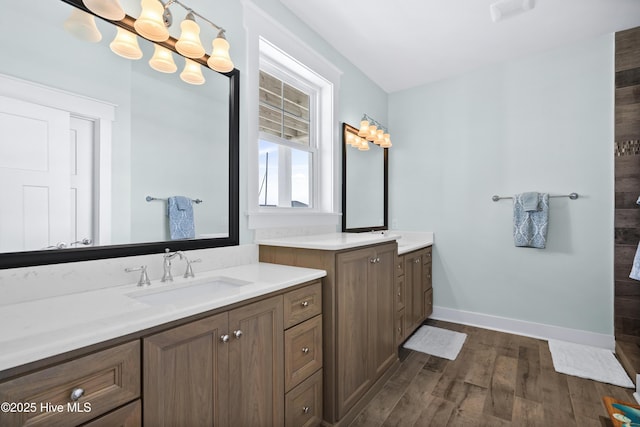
<point x="400" y="265"/>
<point x="128" y="416"/>
<point x="108" y="379"/>
<point x="302" y="351"/>
<point x="400" y="326"/>
<point x="303" y="404"/>
<point x="302" y="304"/>
<point x="426" y="259"/>
<point x="428" y="303"/>
<point x="400" y="295"/>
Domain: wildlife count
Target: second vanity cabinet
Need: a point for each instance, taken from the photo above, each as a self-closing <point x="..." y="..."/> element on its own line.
<point x="414" y="293"/>
<point x="358" y="318"/>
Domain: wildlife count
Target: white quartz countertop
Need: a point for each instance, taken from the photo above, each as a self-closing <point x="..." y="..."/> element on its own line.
<point x="46" y="327"/>
<point x="407" y="240"/>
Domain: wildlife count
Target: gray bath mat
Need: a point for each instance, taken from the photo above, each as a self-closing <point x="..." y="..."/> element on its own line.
<point x="436" y="342"/>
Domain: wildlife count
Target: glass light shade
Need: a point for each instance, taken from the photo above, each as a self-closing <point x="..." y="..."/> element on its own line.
<point x="126" y="44"/>
<point x="83" y="26"/>
<point x="364" y="145"/>
<point x="351" y="139"/>
<point x="387" y="141"/>
<point x="150" y="23"/>
<point x="373" y="130"/>
<point x="379" y="137"/>
<point x="192" y="73"/>
<point x="107" y="9"/>
<point x="162" y="60"/>
<point x="364" y="128"/>
<point x="220" y="60"/>
<point x="189" y="43"/>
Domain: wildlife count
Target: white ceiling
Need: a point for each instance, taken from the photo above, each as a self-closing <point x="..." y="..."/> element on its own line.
<point x="405" y="43"/>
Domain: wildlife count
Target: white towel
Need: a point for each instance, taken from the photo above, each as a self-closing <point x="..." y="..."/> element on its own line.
<point x="635" y="270"/>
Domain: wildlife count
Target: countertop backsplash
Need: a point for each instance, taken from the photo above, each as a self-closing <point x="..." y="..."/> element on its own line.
<point x="45" y="281"/>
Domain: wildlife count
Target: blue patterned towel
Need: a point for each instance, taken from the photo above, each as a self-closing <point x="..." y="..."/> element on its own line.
<point x="530" y="227"/>
<point x="635" y="270"/>
<point x="180" y="213"/>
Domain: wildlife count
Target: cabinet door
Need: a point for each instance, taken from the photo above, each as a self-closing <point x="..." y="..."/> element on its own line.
<point x="256" y="364"/>
<point x="185" y="378"/>
<point x="413" y="279"/>
<point x="382" y="312"/>
<point x="353" y="359"/>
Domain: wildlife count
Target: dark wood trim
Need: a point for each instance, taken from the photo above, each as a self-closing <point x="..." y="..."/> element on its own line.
<point x="32" y="258"/>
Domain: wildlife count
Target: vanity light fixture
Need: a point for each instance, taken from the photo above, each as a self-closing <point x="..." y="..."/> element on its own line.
<point x="371" y="130"/>
<point x="162" y="60"/>
<point x="192" y="72"/>
<point x="107" y="9"/>
<point x="126" y="44"/>
<point x="83" y="26"/>
<point x="220" y="59"/>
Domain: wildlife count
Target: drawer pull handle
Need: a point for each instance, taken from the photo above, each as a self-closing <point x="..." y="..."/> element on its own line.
<point x="305" y="350"/>
<point x="306" y="409"/>
<point x="224" y="338"/>
<point x="76" y="394"/>
<point x="237" y="334"/>
<point x="305" y="303"/>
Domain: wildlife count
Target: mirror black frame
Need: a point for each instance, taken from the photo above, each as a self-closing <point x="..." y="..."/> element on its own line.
<point x="32" y="258"/>
<point x="346" y="128"/>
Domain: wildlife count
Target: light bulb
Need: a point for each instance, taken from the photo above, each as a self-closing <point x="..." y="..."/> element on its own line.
<point x="150" y="23"/>
<point x="189" y="43"/>
<point x="83" y="26"/>
<point x="126" y="44"/>
<point x="220" y="60"/>
<point x="107" y="9"/>
<point x="162" y="60"/>
<point x="192" y="73"/>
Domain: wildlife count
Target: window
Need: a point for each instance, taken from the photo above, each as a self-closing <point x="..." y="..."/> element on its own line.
<point x="287" y="148"/>
<point x="294" y="160"/>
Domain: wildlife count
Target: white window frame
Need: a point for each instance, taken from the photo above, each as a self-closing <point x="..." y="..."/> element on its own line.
<point x="263" y="35"/>
<point x="275" y="69"/>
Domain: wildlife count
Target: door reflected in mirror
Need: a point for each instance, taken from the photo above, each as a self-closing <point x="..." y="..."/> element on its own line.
<point x="93" y="144"/>
<point x="364" y="185"/>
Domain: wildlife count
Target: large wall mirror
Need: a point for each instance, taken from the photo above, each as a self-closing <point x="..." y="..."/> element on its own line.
<point x="365" y="189"/>
<point x="92" y="145"/>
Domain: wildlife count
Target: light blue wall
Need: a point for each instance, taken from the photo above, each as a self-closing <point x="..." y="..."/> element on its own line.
<point x="542" y="123"/>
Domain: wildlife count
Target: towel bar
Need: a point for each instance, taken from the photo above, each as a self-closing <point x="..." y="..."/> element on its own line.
<point x="572" y="196"/>
<point x="150" y="199"/>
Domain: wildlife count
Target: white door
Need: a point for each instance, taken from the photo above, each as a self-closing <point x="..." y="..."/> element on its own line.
<point x="36" y="180"/>
<point x="81" y="172"/>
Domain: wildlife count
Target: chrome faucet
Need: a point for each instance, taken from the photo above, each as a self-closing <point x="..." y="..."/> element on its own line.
<point x="167" y="257"/>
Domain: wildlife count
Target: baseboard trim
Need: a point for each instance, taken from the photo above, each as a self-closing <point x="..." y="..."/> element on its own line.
<point x="521" y="327"/>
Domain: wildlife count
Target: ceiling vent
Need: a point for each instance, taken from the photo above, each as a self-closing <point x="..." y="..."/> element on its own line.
<point x="503" y="9"/>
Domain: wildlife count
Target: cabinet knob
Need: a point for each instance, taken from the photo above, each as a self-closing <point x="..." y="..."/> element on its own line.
<point x="77" y="393"/>
<point x="306" y="409"/>
<point x="224" y="338"/>
<point x="304" y="303"/>
<point x="305" y="350"/>
<point x="417" y="261"/>
<point x="237" y="334"/>
<point x="399" y="293"/>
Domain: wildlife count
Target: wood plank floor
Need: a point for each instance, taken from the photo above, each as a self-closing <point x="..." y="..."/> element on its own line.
<point x="498" y="379"/>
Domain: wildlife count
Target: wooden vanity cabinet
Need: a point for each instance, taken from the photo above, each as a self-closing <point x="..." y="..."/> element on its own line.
<point x="224" y="370"/>
<point x="414" y="283"/>
<point x="358" y="320"/>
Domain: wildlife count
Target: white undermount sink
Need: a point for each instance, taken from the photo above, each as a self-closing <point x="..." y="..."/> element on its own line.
<point x="209" y="290"/>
